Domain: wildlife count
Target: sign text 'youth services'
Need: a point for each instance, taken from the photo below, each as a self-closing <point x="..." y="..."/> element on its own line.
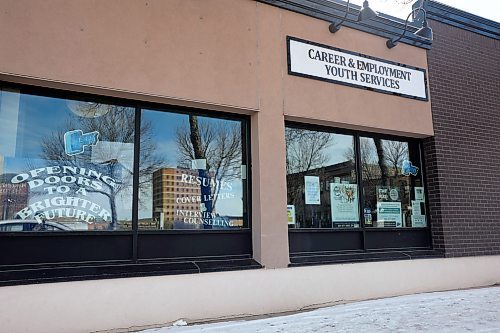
<point x="323" y="62"/>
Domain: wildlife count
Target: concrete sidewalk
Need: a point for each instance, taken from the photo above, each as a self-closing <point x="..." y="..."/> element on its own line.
<point x="473" y="310"/>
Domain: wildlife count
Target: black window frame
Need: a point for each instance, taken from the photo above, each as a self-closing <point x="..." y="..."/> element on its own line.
<point x="168" y="251"/>
<point x="332" y="245"/>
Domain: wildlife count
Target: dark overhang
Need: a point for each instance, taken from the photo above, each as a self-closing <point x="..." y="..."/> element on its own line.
<point x="334" y="10"/>
<point x="458" y="18"/>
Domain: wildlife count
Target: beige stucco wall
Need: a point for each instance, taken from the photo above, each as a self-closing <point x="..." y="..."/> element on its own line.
<point x="219" y="55"/>
<point x="216" y="52"/>
<point x="90" y="306"/>
<point x="189" y="50"/>
<point x="347" y="107"/>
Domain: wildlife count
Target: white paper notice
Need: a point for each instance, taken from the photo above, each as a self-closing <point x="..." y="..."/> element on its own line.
<point x="419" y="193"/>
<point x="105" y="152"/>
<point x="389" y="212"/>
<point x="312" y="191"/>
<point x="291" y="214"/>
<point x="417" y="217"/>
<point x="199" y="164"/>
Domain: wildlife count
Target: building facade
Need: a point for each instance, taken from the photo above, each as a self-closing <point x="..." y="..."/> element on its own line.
<point x="229" y="158"/>
<point x="464" y="72"/>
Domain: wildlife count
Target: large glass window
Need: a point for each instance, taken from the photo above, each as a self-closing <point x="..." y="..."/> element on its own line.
<point x="65" y="164"/>
<point x="393" y="192"/>
<point x="193" y="172"/>
<point x="322" y="190"/>
<point x="68" y="164"/>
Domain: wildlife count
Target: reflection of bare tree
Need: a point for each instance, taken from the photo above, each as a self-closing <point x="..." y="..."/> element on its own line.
<point x="305" y="150"/>
<point x="395" y="153"/>
<point x="381" y="161"/>
<point x="306" y="154"/>
<point x="368" y="160"/>
<point x="379" y="158"/>
<point x="217" y="142"/>
<point x="116" y="125"/>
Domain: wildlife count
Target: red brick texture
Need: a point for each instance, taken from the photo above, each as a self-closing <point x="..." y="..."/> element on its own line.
<point x="463" y="158"/>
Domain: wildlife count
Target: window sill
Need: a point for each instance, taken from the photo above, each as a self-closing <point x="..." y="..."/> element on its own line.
<point x="361" y="256"/>
<point x="77" y="272"/>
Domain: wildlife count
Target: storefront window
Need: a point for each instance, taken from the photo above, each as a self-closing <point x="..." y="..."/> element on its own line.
<point x="322" y="190"/>
<point x="193" y="172"/>
<point x="322" y="187"/>
<point x="393" y="192"/>
<point x="65" y="164"/>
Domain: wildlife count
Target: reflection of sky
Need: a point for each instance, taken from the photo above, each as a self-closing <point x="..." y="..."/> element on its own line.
<point x="39" y="118"/>
<point x="369" y="150"/>
<point x="340" y="148"/>
<point x="164" y="127"/>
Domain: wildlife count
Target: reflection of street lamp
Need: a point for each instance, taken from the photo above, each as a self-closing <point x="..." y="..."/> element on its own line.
<point x="6" y="202"/>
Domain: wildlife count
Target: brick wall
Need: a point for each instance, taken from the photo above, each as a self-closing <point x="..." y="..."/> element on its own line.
<point x="463" y="158"/>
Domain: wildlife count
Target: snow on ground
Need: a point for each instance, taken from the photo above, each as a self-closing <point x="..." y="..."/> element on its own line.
<point x="473" y="310"/>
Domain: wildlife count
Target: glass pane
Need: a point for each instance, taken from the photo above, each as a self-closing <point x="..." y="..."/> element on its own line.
<point x="64" y="164"/>
<point x="193" y="173"/>
<point x="392" y="184"/>
<point x="322" y="190"/>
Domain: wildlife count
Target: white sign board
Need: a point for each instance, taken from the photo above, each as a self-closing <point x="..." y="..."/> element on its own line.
<point x="312" y="191"/>
<point x="331" y="64"/>
<point x="389" y="212"/>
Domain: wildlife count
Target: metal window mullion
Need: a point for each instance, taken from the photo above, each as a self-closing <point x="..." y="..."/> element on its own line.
<point x="135" y="183"/>
<point x="359" y="179"/>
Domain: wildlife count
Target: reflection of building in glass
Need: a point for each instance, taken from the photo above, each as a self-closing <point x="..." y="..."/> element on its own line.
<point x="13" y="197"/>
<point x="171" y="194"/>
<point x="317" y="216"/>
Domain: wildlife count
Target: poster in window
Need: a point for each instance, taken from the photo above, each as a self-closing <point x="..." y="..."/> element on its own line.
<point x="312" y="190"/>
<point x="418" y="219"/>
<point x="419" y="193"/>
<point x="291" y="213"/>
<point x="389" y="214"/>
<point x="344" y="202"/>
<point x="389" y="211"/>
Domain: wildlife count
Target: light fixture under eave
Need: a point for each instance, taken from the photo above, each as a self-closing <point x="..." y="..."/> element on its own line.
<point x="425" y="31"/>
<point x="364" y="14"/>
